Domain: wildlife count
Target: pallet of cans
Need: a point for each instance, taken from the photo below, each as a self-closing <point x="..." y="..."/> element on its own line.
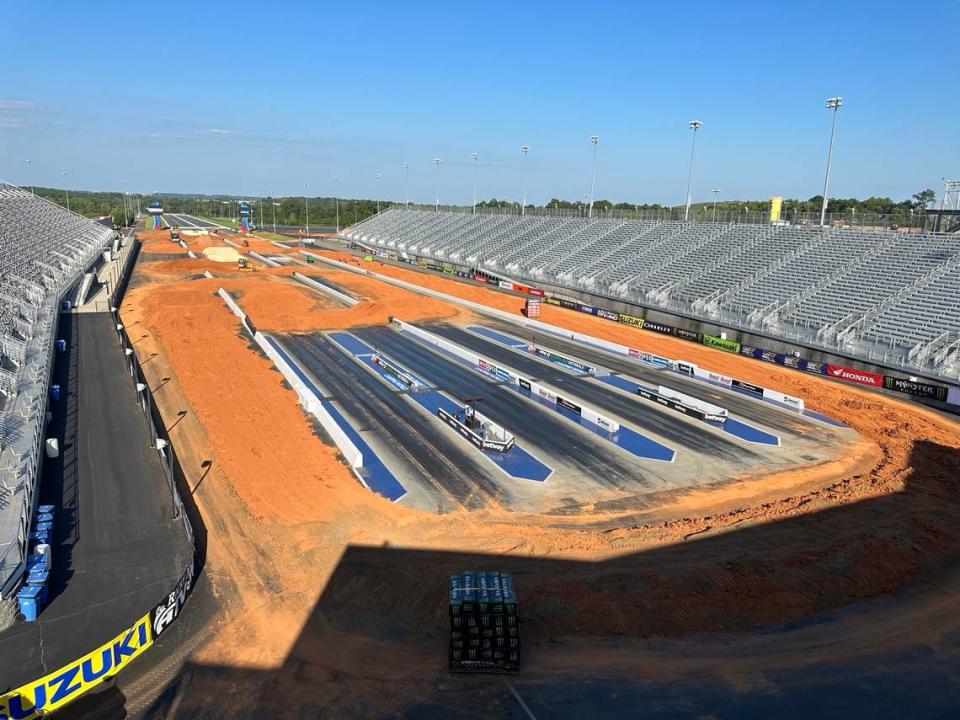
<point x="484" y="623"/>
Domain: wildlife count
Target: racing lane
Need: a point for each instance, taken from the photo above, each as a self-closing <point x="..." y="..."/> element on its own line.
<point x="187" y="221"/>
<point x="758" y="411"/>
<point x="645" y="416"/>
<point x="430" y="456"/>
<point x="541" y="430"/>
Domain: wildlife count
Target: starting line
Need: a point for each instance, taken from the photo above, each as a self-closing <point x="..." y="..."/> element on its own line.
<point x="516" y="462"/>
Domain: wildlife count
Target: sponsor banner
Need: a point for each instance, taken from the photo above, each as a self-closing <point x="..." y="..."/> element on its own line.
<point x="915" y="387"/>
<point x="552" y="301"/>
<point x="572" y="407"/>
<point x="434" y="266"/>
<point x="505" y="285"/>
<point x="953" y="396"/>
<point x="792" y="361"/>
<point x="537" y="291"/>
<point x="460" y="427"/>
<point x="479" y="277"/>
<point x="630" y="320"/>
<point x="546" y="395"/>
<point x="756" y="389"/>
<point x="569" y="304"/>
<point x="685" y="368"/>
<point x="606" y="314"/>
<point x="589" y="309"/>
<point x="721" y="344"/>
<point x="811" y="366"/>
<point x="685" y="334"/>
<point x="770" y="357"/>
<point x="53" y="691"/>
<point x="553" y="357"/>
<point x="788" y="400"/>
<point x="658" y="327"/>
<point x="525" y="384"/>
<point x="667" y="402"/>
<point x="751" y="351"/>
<point x="520" y="288"/>
<point x="169" y="608"/>
<point x="861" y="377"/>
<point x="712" y="376"/>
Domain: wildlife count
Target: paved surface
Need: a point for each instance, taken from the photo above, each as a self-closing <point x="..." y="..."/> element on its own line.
<point x="188" y="221"/>
<point x="117" y="548"/>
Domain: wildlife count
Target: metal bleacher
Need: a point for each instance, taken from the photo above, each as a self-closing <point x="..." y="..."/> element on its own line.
<point x="44" y="251"/>
<point x="879" y="295"/>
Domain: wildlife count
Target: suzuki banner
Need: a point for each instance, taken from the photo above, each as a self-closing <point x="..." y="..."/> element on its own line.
<point x="862" y="377"/>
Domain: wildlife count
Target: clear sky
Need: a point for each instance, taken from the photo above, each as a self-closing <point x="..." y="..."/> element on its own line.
<point x="259" y="98"/>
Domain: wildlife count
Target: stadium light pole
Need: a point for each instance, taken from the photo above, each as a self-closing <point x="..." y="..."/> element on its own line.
<point x="123" y="196"/>
<point x="377" y="177"/>
<point x="694" y="125"/>
<point x="834" y="104"/>
<point x="273" y="201"/>
<point x="306" y="206"/>
<point x="594" y="139"/>
<point x="523" y="180"/>
<point x="64" y="173"/>
<point x="716" y="193"/>
<point x="406" y="184"/>
<point x="476" y="168"/>
<point x="336" y="200"/>
<point x="30" y="175"/>
<point x="436" y="172"/>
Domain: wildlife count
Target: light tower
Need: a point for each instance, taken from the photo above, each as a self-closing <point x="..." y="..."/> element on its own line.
<point x="594" y="139"/>
<point x="65" y="187"/>
<point x="377" y="178"/>
<point x="306" y="208"/>
<point x="694" y="125"/>
<point x="523" y="179"/>
<point x="436" y="172"/>
<point x="716" y="194"/>
<point x="30" y="175"/>
<point x="476" y="166"/>
<point x="834" y="104"/>
<point x="406" y="184"/>
<point x="336" y="200"/>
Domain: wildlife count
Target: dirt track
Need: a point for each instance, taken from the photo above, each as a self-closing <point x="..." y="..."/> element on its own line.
<point x="328" y="591"/>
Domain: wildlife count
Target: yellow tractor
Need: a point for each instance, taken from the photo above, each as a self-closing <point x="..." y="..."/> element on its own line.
<point x="244" y="264"/>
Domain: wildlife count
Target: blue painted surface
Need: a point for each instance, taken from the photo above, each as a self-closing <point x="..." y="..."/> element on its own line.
<point x="732" y="426"/>
<point x="375" y="474"/>
<point x="516" y="462"/>
<point x="630" y="440"/>
<point x="515" y="344"/>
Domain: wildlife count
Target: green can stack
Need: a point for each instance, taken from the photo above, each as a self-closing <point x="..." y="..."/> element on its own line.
<point x="484" y="622"/>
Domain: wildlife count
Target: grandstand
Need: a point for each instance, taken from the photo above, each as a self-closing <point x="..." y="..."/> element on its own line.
<point x="44" y="250"/>
<point x="886" y="297"/>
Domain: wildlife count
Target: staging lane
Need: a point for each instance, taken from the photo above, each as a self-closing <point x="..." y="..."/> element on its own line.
<point x="544" y="431"/>
<point x="638" y="413"/>
<point x="434" y="459"/>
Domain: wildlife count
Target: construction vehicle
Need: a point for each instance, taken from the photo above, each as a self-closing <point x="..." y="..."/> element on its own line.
<point x="244" y="264"/>
<point x="175" y="233"/>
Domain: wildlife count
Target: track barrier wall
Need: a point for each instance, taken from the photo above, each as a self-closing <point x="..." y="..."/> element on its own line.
<point x="62" y="686"/>
<point x="326" y="290"/>
<point x="264" y="259"/>
<point x="512" y="377"/>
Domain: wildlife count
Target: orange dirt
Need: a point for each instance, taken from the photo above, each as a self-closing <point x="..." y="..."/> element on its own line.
<point x="282" y="508"/>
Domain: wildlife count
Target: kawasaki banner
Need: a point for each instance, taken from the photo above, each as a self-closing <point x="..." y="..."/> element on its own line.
<point x="721" y="344"/>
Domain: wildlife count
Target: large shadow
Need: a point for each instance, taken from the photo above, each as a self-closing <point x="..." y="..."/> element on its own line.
<point x="813" y="607"/>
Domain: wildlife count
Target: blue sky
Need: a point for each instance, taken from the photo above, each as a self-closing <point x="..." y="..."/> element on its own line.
<point x="253" y="99"/>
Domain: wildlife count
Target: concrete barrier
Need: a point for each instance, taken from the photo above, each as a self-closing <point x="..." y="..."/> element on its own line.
<point x="232" y="304"/>
<point x="326" y="290"/>
<point x="264" y="259"/>
<point x="550" y="394"/>
<point x="207" y="274"/>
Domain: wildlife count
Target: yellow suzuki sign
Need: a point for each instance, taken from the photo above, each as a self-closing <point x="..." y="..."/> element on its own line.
<point x="62" y="686"/>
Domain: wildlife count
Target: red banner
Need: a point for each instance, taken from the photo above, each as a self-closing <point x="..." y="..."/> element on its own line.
<point x="535" y="291"/>
<point x="863" y="377"/>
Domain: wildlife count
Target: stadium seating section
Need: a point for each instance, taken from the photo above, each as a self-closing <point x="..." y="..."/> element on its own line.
<point x="883" y="296"/>
<point x="44" y="250"/>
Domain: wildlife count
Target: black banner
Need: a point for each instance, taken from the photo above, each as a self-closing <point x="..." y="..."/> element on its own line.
<point x="167" y="610"/>
<point x="914" y="387"/>
<point x="607" y="315"/>
<point x="459" y="427"/>
<point x="524" y="384"/>
<point x="687" y="334"/>
<point x="569" y="304"/>
<point x="685" y="368"/>
<point x="748" y="387"/>
<point x="658" y="327"/>
<point x="673" y="405"/>
<point x="562" y="402"/>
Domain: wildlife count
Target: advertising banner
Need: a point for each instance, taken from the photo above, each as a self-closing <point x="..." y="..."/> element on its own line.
<point x="552" y="301"/>
<point x="589" y="309"/>
<point x="861" y="377"/>
<point x="756" y="389"/>
<point x="569" y="304"/>
<point x="553" y="357"/>
<point x="953" y="396"/>
<point x="915" y="387"/>
<point x="537" y="291"/>
<point x="43" y="696"/>
<point x="658" y="327"/>
<point x="721" y="344"/>
<point x="712" y="376"/>
<point x="630" y="320"/>
<point x="479" y="277"/>
<point x="572" y="407"/>
<point x="505" y="285"/>
<point x="792" y="361"/>
<point x="667" y="402"/>
<point x="606" y="314"/>
<point x="811" y="366"/>
<point x="770" y="356"/>
<point x="685" y="368"/>
<point x="169" y="608"/>
<point x="685" y="334"/>
<point x="524" y="384"/>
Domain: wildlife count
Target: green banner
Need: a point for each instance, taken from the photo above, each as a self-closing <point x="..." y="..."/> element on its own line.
<point x="721" y="344"/>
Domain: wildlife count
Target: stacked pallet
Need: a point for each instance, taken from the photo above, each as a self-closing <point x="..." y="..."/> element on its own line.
<point x="484" y="623"/>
